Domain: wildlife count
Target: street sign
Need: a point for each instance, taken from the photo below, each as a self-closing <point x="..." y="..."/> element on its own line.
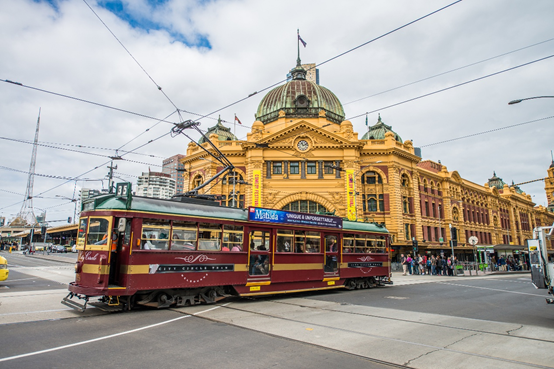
<point x="473" y="240"/>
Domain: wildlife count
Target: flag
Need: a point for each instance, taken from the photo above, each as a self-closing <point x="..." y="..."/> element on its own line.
<point x="303" y="42"/>
<point x="237" y="120"/>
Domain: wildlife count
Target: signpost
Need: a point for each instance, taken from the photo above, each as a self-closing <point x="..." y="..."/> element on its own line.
<point x="473" y="240"/>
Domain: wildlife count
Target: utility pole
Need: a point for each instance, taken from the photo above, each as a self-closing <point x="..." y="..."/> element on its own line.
<point x="110" y="176"/>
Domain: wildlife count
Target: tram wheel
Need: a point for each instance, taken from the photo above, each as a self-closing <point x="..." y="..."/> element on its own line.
<point x="352" y="284"/>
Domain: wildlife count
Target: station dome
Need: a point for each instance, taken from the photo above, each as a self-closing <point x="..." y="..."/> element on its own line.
<point x="378" y="131"/>
<point x="223" y="133"/>
<point x="300" y="98"/>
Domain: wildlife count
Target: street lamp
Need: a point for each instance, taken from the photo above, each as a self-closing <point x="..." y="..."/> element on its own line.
<point x="529" y="98"/>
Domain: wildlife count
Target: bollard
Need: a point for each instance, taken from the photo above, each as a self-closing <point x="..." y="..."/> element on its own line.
<point x="10" y="249"/>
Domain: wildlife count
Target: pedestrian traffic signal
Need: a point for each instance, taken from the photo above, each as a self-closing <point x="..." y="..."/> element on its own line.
<point x="414" y="243"/>
<point x="454" y="236"/>
<point x="69" y="219"/>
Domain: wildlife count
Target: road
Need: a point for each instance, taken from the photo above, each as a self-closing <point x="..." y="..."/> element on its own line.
<point x="421" y="322"/>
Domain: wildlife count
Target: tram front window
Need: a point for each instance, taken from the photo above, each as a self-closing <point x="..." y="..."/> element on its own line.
<point x="98" y="231"/>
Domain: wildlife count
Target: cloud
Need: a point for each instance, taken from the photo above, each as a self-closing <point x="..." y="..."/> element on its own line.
<point x="208" y="54"/>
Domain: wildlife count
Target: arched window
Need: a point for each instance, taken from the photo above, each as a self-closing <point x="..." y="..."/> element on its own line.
<point x="371" y="178"/>
<point x="305" y="206"/>
<point x="197" y="181"/>
<point x="404" y="180"/>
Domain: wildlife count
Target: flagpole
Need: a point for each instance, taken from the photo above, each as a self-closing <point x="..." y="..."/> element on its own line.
<point x="235" y="126"/>
<point x="298" y="46"/>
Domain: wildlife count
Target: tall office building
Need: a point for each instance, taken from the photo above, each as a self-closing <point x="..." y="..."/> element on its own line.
<point x="175" y="169"/>
<point x="156" y="184"/>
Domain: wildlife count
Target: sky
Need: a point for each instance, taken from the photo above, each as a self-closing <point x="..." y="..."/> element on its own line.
<point x="207" y="55"/>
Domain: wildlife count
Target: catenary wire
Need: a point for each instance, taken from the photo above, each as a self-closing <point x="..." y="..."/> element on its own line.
<point x="77" y="151"/>
<point x="450" y="71"/>
<point x="229" y="105"/>
<point x="136" y="61"/>
<point x="335" y="57"/>
<point x="451" y="87"/>
<point x="489" y="131"/>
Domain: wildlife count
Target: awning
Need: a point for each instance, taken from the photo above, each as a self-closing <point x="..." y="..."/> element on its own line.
<point x="20" y="234"/>
<point x="509" y="247"/>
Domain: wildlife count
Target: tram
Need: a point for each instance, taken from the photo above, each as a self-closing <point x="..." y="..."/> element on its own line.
<point x="136" y="251"/>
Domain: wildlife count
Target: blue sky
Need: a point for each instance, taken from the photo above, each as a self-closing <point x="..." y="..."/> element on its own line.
<point x="146" y="23"/>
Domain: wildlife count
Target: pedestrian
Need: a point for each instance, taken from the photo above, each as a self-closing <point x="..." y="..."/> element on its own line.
<point x="409" y="263"/>
<point x="428" y="263"/>
<point x="404" y="264"/>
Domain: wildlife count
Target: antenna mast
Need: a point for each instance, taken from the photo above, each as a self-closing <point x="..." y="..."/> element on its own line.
<point x="26" y="215"/>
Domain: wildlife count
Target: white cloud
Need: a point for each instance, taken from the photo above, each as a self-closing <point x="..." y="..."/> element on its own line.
<point x="253" y="45"/>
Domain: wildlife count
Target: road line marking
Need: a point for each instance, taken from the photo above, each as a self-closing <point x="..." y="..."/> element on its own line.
<point x="493" y="289"/>
<point x="23" y="279"/>
<point x="35" y="312"/>
<point x="100" y="338"/>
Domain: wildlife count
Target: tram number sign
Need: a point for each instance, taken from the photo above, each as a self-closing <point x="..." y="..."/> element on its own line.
<point x="291" y="217"/>
<point x="473" y="240"/>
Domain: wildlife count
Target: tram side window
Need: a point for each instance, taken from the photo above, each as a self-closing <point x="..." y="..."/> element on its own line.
<point x="98" y="231"/>
<point x="232" y="238"/>
<point x="313" y="242"/>
<point x="83" y="223"/>
<point x="360" y="244"/>
<point x="348" y="243"/>
<point x="284" y="240"/>
<point x="376" y="245"/>
<point x="209" y="236"/>
<point x="259" y="240"/>
<point x="155" y="234"/>
<point x="184" y="236"/>
<point x="299" y="241"/>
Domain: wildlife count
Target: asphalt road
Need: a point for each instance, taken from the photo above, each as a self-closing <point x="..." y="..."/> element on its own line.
<point x="500" y="298"/>
<point x="423" y="322"/>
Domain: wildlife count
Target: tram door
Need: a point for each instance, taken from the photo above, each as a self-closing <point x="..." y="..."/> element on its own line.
<point x="260" y="246"/>
<point x="120" y="239"/>
<point x="331" y="253"/>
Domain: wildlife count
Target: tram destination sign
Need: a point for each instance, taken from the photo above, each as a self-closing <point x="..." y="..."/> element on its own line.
<point x="291" y="217"/>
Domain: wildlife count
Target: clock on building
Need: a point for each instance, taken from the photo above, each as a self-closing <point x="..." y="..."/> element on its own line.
<point x="303" y="145"/>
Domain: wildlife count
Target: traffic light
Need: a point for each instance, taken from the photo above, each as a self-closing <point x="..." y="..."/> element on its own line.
<point x="43" y="232"/>
<point x="68" y="219"/>
<point x="454" y="236"/>
<point x="414" y="244"/>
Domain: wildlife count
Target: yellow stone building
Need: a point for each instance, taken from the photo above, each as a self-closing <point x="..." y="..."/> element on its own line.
<point x="302" y="155"/>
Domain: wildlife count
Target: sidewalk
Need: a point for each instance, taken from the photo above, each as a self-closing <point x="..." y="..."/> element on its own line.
<point x="70" y="258"/>
<point x="398" y="277"/>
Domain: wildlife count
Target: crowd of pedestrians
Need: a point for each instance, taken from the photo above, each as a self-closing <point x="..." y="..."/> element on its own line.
<point x="430" y="265"/>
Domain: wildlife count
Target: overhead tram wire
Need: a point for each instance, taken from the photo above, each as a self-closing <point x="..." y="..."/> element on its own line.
<point x="226" y="106"/>
<point x="83" y="100"/>
<point x="447" y="72"/>
<point x="451" y="87"/>
<point x="489" y="131"/>
<point x="335" y="57"/>
<point x="136" y="61"/>
<point x="77" y="151"/>
<point x="207" y="115"/>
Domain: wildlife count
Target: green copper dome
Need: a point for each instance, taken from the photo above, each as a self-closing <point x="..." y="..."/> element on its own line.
<point x="300" y="98"/>
<point x="496" y="181"/>
<point x="378" y="131"/>
<point x="223" y="133"/>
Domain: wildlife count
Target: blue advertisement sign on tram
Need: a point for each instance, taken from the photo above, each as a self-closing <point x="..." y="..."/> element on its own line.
<point x="293" y="218"/>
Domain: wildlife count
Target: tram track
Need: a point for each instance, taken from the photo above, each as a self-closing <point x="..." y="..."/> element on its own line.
<point x="336" y="320"/>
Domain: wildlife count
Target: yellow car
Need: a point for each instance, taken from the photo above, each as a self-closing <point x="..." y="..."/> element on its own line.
<point x="4" y="271"/>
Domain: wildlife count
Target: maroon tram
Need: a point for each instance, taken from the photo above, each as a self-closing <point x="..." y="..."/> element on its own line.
<point x="160" y="253"/>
